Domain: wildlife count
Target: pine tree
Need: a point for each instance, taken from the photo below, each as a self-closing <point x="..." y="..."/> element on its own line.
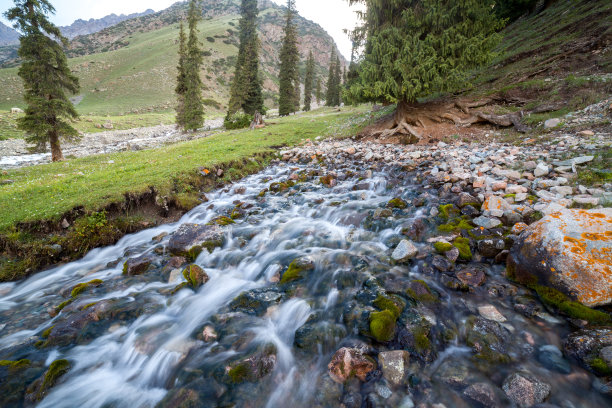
<point x="308" y="82"/>
<point x="318" y="94"/>
<point x="181" y="86"/>
<point x="414" y="49"/>
<point x="331" y="87"/>
<point x="46" y="77"/>
<point x="297" y="95"/>
<point x="338" y="83"/>
<point x="289" y="58"/>
<point x="193" y="115"/>
<point x="246" y="90"/>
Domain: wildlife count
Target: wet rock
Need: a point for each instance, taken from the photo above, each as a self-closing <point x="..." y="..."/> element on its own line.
<point x="256" y="301"/>
<point x="489" y="248"/>
<point x="552" y="358"/>
<point x="470" y="211"/>
<point x="393" y="365"/>
<point x="467" y="199"/>
<point x="319" y="336"/>
<point x="38" y="390"/>
<point x="297" y="269"/>
<point x="525" y="390"/>
<point x="190" y="239"/>
<point x="484" y="394"/>
<point x="180" y="398"/>
<point x="255" y="367"/>
<point x="209" y="334"/>
<point x="441" y="263"/>
<point x="454" y="373"/>
<point x="405" y="251"/>
<point x="349" y="362"/>
<point x="137" y="266"/>
<point x="195" y="276"/>
<point x="489" y="340"/>
<point x="472" y="276"/>
<point x="452" y="254"/>
<point x="585" y="345"/>
<point x="568" y="250"/>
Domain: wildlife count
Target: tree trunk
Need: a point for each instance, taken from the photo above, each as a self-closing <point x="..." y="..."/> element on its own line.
<point x="56" y="150"/>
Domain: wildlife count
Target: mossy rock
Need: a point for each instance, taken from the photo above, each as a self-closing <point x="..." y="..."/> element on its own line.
<point x="421" y="292"/>
<point x="442" y="247"/>
<point x="37" y="390"/>
<point x="195" y="276"/>
<point x="382" y="325"/>
<point x="463" y="245"/>
<point x="397" y="203"/>
<point x="560" y="302"/>
<point x="600" y="367"/>
<point x="448" y="210"/>
<point x="394" y="304"/>
<point x="222" y="221"/>
<point x="15" y="366"/>
<point x="456" y="225"/>
<point x="296" y="270"/>
<point x="82" y="287"/>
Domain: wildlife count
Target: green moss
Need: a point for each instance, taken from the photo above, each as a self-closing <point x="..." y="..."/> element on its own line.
<point x="239" y="373"/>
<point x="222" y="221"/>
<point x="456" y="225"/>
<point x="397" y="203"/>
<point x="57" y="369"/>
<point x="463" y="245"/>
<point x="62" y="305"/>
<point x="510" y="196"/>
<point x="428" y="297"/>
<point x="15" y="365"/>
<point x="421" y="339"/>
<point x="190" y="273"/>
<point x="394" y="305"/>
<point x="561" y="302"/>
<point x="47" y="332"/>
<point x="382" y="325"/>
<point x="448" y="210"/>
<point x="600" y="367"/>
<point x="293" y="273"/>
<point x="179" y="287"/>
<point x="443" y="247"/>
<point x="81" y="287"/>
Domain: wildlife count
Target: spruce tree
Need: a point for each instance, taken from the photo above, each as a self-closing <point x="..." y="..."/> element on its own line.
<point x="193" y="116"/>
<point x="181" y="86"/>
<point x="46" y="77"/>
<point x="289" y="58"/>
<point x="297" y="95"/>
<point x="318" y="94"/>
<point x="308" y="82"/>
<point x="415" y="48"/>
<point x="331" y="87"/>
<point x="246" y="90"/>
<point x="337" y="82"/>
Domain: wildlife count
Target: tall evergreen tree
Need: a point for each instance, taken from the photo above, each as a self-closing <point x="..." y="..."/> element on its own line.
<point x="181" y="85"/>
<point x="338" y="82"/>
<point x="318" y="94"/>
<point x="308" y="82"/>
<point x="297" y="95"/>
<point x="46" y="77"/>
<point x="331" y="86"/>
<point x="193" y="111"/>
<point x="246" y="92"/>
<point x="416" y="48"/>
<point x="289" y="58"/>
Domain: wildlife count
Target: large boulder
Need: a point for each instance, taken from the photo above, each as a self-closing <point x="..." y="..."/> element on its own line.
<point x="569" y="250"/>
<point x="190" y="239"/>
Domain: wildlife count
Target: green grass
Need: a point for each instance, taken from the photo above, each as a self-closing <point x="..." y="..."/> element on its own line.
<point x="46" y="192"/>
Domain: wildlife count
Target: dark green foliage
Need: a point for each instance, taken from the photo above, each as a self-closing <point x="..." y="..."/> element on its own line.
<point x="238" y="121"/>
<point x="289" y="57"/>
<point x="333" y="81"/>
<point x="181" y="85"/>
<point x="513" y="9"/>
<point x="46" y="77"/>
<point x="415" y="48"/>
<point x="246" y="93"/>
<point x="318" y="94"/>
<point x="191" y="115"/>
<point x="309" y="81"/>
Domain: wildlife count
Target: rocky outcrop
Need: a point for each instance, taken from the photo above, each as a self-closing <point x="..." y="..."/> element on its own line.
<point x="569" y="250"/>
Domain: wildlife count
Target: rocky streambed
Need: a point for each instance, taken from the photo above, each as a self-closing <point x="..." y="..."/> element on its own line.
<point x="346" y="275"/>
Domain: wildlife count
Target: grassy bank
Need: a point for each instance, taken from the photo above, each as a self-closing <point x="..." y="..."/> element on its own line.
<point x="40" y="197"/>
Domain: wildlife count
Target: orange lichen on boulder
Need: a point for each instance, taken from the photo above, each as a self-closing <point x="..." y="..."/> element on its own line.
<point x="571" y="251"/>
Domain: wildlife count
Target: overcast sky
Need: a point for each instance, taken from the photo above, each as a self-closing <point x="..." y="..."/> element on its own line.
<point x="333" y="15"/>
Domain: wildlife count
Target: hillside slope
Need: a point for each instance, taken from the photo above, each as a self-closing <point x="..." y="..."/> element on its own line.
<point x="85" y="27"/>
<point x="8" y="36"/>
<point x="130" y="67"/>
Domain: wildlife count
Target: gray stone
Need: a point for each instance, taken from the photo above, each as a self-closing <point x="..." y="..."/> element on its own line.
<point x="404" y="251"/>
<point x="484" y="394"/>
<point x="486" y="222"/>
<point x="541" y="170"/>
<point x="552" y="358"/>
<point x="490" y="312"/>
<point x="606" y="355"/>
<point x="574" y="161"/>
<point x="552" y="123"/>
<point x="562" y="190"/>
<point x="489" y="248"/>
<point x="393" y="365"/>
<point x="525" y="390"/>
<point x="190" y="239"/>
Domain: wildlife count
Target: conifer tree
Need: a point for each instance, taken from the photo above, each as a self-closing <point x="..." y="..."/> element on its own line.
<point x="331" y="86"/>
<point x="297" y="95"/>
<point x="337" y="82"/>
<point x="246" y="91"/>
<point x="181" y="86"/>
<point x="289" y="58"/>
<point x="415" y="48"/>
<point x="193" y="111"/>
<point x="308" y="82"/>
<point x="46" y="77"/>
<point x="318" y="94"/>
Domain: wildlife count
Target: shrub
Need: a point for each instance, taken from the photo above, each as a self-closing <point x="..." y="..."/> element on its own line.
<point x="238" y="121"/>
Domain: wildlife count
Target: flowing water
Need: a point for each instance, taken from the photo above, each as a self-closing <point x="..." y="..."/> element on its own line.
<point x="148" y="346"/>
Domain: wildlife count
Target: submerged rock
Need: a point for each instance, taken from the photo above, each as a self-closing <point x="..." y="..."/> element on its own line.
<point x="393" y="365"/>
<point x="137" y="266"/>
<point x="569" y="250"/>
<point x="404" y="251"/>
<point x="484" y="394"/>
<point x="525" y="390"/>
<point x="350" y="362"/>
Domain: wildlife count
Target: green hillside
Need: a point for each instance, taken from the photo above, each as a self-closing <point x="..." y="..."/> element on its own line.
<point x="136" y="73"/>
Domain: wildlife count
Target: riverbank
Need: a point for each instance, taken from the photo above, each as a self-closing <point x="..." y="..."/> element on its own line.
<point x="59" y="211"/>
